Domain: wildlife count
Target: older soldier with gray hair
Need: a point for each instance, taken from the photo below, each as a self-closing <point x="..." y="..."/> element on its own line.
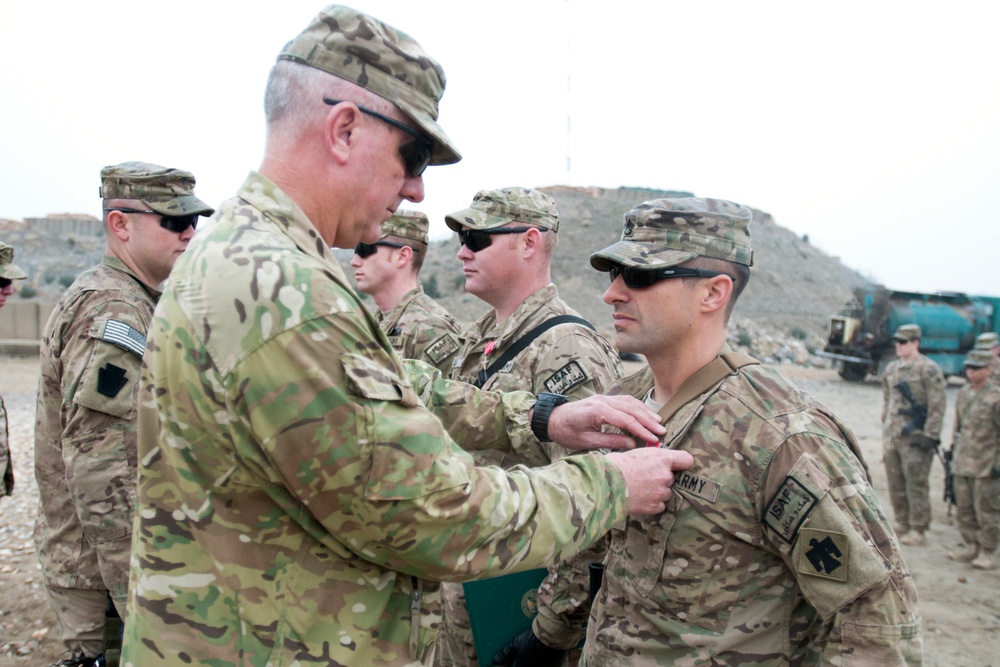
<point x="9" y="272"/>
<point x="774" y="549"/>
<point x="85" y="428"/>
<point x="417" y="326"/>
<point x="297" y="500"/>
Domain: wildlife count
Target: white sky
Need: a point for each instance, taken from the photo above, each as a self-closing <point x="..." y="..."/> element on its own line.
<point x="873" y="127"/>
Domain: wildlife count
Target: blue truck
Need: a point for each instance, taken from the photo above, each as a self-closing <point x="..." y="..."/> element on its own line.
<point x="860" y="336"/>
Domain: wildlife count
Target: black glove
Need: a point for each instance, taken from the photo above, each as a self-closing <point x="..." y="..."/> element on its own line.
<point x="924" y="442"/>
<point x="527" y="650"/>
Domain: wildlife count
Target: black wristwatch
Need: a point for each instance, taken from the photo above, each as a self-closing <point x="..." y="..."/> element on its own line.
<point x="545" y="403"/>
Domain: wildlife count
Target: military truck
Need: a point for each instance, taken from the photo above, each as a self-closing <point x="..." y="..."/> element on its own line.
<point x="860" y="335"/>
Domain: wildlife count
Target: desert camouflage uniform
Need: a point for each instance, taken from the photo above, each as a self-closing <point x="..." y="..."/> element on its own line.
<point x="567" y="359"/>
<point x="908" y="468"/>
<point x="995" y="373"/>
<point x="6" y="464"/>
<point x="773" y="549"/>
<point x="976" y="451"/>
<point x="295" y="496"/>
<point x="85" y="444"/>
<point x="420" y="328"/>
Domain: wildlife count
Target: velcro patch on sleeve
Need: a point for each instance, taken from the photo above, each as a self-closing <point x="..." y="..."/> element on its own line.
<point x="124" y="336"/>
<point x="441" y="348"/>
<point x="566" y="378"/>
<point x="788" y="508"/>
<point x="823" y="554"/>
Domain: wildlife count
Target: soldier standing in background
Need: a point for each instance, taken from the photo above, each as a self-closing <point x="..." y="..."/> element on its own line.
<point x="976" y="463"/>
<point x="297" y="499"/>
<point x="85" y="430"/>
<point x="774" y="549"/>
<point x="508" y="237"/>
<point x="990" y="341"/>
<point x="9" y="272"/>
<point x="417" y="326"/>
<point x="912" y="415"/>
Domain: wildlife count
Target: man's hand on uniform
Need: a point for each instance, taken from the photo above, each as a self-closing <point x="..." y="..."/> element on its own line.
<point x="649" y="474"/>
<point x="924" y="442"/>
<point x="577" y="425"/>
<point x="527" y="650"/>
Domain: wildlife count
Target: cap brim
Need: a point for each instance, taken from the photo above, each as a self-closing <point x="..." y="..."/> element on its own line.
<point x="641" y="255"/>
<point x="185" y="205"/>
<point x="474" y="219"/>
<point x="444" y="151"/>
<point x="12" y="272"/>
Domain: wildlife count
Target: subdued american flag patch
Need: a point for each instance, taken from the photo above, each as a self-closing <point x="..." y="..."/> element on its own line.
<point x="124" y="336"/>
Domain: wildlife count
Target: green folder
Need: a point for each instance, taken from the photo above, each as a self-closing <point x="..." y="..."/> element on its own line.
<point x="501" y="608"/>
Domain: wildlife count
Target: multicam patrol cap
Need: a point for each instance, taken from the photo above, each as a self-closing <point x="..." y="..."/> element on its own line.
<point x="495" y="208"/>
<point x="987" y="341"/>
<point x="8" y="269"/>
<point x="978" y="358"/>
<point x="361" y="49"/>
<point x="666" y="232"/>
<point x="906" y="333"/>
<point x="408" y="224"/>
<point x="164" y="190"/>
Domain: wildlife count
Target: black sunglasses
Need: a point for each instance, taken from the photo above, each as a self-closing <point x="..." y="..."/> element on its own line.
<point x="638" y="278"/>
<point x="5" y="282"/>
<point x="363" y="250"/>
<point x="416" y="154"/>
<point x="477" y="239"/>
<point x="171" y="223"/>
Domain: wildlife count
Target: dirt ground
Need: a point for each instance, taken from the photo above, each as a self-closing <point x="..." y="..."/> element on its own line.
<point x="960" y="606"/>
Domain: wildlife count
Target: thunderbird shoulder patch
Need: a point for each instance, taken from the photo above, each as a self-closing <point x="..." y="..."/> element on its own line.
<point x="788" y="508"/>
<point x="824" y="554"/>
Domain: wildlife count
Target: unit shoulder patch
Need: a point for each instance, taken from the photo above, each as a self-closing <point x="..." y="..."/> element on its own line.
<point x="823" y="554"/>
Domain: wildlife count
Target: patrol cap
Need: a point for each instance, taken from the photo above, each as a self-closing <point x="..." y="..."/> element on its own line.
<point x="8" y="269"/>
<point x="666" y="232"/>
<point x="496" y="208"/>
<point x="164" y="190"/>
<point x="408" y="224"/>
<point x="363" y="50"/>
<point x="987" y="341"/>
<point x="978" y="358"/>
<point x="906" y="333"/>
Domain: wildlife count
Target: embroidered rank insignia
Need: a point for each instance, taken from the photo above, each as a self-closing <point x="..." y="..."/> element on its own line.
<point x="110" y="380"/>
<point x="788" y="508"/>
<point x="439" y="350"/>
<point x="120" y="334"/>
<point x="703" y="488"/>
<point x="566" y="378"/>
<point x="824" y="554"/>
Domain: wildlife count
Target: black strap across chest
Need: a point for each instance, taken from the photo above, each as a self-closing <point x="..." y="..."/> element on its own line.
<point x="524" y="341"/>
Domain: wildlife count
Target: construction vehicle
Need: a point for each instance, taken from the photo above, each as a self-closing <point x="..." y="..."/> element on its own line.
<point x="861" y="335"/>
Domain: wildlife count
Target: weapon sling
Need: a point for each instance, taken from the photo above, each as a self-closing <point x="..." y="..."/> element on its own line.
<point x="523" y="342"/>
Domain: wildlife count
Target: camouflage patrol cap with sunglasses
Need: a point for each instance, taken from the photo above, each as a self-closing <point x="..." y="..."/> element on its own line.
<point x="906" y="333"/>
<point x="407" y="224"/>
<point x="363" y="50"/>
<point x="496" y="208"/>
<point x="164" y="190"/>
<point x="978" y="358"/>
<point x="8" y="269"/>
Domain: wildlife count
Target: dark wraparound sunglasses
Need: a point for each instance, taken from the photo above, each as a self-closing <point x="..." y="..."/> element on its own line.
<point x="172" y="223"/>
<point x="477" y="239"/>
<point x="416" y="154"/>
<point x="5" y="282"/>
<point x="363" y="250"/>
<point x="639" y="278"/>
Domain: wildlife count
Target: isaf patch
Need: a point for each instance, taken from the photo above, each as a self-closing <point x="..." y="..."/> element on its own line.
<point x="566" y="378"/>
<point x="111" y="379"/>
<point x="824" y="554"/>
<point x="124" y="336"/>
<point x="788" y="508"/>
<point x="441" y="348"/>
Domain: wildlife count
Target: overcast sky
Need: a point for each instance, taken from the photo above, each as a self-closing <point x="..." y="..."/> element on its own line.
<point x="872" y="127"/>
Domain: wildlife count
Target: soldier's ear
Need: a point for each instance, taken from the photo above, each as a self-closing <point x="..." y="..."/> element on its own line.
<point x="118" y="224"/>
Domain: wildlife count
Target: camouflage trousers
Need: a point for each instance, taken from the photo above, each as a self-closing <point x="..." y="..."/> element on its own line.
<point x="907" y="471"/>
<point x="80" y="613"/>
<point x="455" y="645"/>
<point x="977" y="503"/>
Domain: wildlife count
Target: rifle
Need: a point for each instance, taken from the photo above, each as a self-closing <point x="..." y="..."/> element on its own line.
<point x="916" y="412"/>
<point x="949" y="477"/>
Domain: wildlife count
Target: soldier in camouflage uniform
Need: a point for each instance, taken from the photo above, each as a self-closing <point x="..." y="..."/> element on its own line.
<point x="85" y="430"/>
<point x="418" y="326"/>
<point x="990" y="341"/>
<point x="976" y="463"/>
<point x="911" y="432"/>
<point x="508" y="237"/>
<point x="774" y="549"/>
<point x="9" y="272"/>
<point x="297" y="500"/>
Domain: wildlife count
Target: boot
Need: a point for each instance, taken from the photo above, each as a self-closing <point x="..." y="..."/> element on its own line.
<point x="901" y="529"/>
<point x="80" y="661"/>
<point x="984" y="561"/>
<point x="966" y="555"/>
<point x="914" y="539"/>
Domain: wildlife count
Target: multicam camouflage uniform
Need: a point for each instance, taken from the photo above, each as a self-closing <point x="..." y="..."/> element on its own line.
<point x="85" y="443"/>
<point x="420" y="328"/>
<point x="773" y="549"/>
<point x="6" y="465"/>
<point x="568" y="359"/>
<point x="908" y="467"/>
<point x="976" y="449"/>
<point x="295" y="496"/>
